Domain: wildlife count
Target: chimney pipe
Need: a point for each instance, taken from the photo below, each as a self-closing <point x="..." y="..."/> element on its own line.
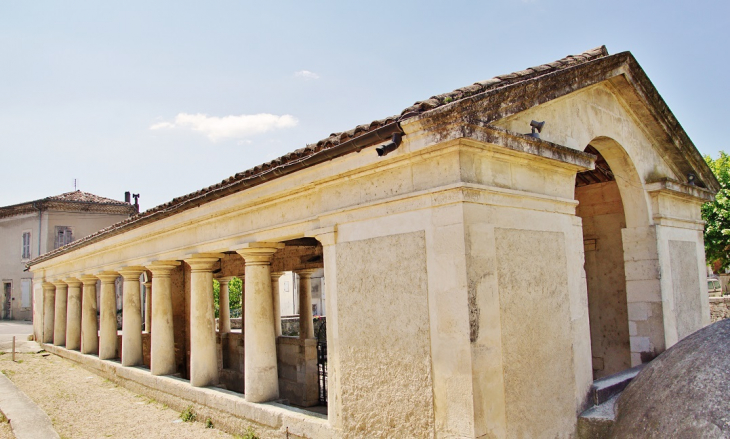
<point x="127" y="197"/>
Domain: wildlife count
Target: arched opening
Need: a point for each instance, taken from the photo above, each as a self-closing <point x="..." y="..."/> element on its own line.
<point x="601" y="194"/>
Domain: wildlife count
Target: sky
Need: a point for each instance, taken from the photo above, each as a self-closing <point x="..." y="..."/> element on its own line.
<point x="164" y="98"/>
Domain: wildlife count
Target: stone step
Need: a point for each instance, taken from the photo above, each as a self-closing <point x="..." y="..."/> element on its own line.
<point x="597" y="421"/>
<point x="605" y="388"/>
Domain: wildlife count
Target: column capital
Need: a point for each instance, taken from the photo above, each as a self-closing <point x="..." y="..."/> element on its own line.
<point x="306" y="272"/>
<point x="59" y="283"/>
<point x="277" y="274"/>
<point x="107" y="277"/>
<point x="224" y="279"/>
<point x="72" y="281"/>
<point x="259" y="253"/>
<point x="203" y="261"/>
<point x="162" y="268"/>
<point x="88" y="279"/>
<point x="325" y="235"/>
<point x="48" y="286"/>
<point x="131" y="272"/>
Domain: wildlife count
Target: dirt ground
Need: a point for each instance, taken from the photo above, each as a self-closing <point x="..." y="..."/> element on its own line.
<point x="84" y="405"/>
<point x="5" y="431"/>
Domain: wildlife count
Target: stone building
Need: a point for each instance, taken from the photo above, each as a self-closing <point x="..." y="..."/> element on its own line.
<point x="33" y="228"/>
<point x="481" y="269"/>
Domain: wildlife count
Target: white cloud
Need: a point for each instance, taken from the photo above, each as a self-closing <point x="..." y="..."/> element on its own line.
<point x="306" y="74"/>
<point x="229" y="127"/>
<point x="162" y="125"/>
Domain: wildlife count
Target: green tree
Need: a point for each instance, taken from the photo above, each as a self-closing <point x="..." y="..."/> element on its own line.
<point x="717" y="215"/>
<point x="235" y="286"/>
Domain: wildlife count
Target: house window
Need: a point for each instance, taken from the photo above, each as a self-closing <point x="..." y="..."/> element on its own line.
<point x="25" y="247"/>
<point x="64" y="235"/>
<point x="25" y="293"/>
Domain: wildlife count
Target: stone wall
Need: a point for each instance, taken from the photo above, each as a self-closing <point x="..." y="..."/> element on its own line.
<point x="719" y="308"/>
<point x="383" y="328"/>
<point x="602" y="213"/>
<point x="296" y="364"/>
<point x="289" y="325"/>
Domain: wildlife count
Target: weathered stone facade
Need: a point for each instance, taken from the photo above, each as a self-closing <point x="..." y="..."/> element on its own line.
<point x="435" y="249"/>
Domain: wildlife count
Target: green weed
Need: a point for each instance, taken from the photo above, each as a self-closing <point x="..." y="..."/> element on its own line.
<point x="188" y="415"/>
<point x="250" y="433"/>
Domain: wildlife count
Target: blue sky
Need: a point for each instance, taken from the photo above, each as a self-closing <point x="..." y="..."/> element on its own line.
<point x="163" y="98"/>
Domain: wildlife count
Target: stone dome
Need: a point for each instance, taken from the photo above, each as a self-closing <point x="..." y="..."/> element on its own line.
<point x="683" y="393"/>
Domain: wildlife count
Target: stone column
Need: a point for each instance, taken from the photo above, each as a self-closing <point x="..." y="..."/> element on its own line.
<point x="89" y="326"/>
<point x="306" y="324"/>
<point x="73" y="316"/>
<point x="260" y="375"/>
<point x="131" y="317"/>
<point x="49" y="311"/>
<point x="243" y="301"/>
<point x="328" y="238"/>
<point x="224" y="308"/>
<point x="108" y="312"/>
<point x="162" y="347"/>
<point x="203" y="351"/>
<point x="277" y="301"/>
<point x="148" y="307"/>
<point x="59" y="326"/>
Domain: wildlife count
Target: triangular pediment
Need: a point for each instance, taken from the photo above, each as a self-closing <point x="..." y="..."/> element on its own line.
<point x="602" y="95"/>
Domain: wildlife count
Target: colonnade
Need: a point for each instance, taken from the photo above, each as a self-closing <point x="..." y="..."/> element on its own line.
<point x="70" y="317"/>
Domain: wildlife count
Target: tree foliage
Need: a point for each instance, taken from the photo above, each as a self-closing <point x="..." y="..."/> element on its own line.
<point x="717" y="215"/>
<point x="235" y="286"/>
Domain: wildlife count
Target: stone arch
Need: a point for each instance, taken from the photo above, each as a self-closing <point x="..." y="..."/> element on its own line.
<point x="616" y="227"/>
<point x="630" y="185"/>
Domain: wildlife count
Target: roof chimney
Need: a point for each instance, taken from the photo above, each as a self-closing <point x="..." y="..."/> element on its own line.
<point x="127" y="197"/>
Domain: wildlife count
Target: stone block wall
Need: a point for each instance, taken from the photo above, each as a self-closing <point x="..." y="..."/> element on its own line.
<point x="719" y="308"/>
<point x="289" y="325"/>
<point x="297" y="367"/>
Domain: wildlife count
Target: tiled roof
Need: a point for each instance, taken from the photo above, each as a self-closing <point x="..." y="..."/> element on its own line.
<point x="84" y="197"/>
<point x="503" y="80"/>
<point x="232" y="184"/>
<point x="70" y="201"/>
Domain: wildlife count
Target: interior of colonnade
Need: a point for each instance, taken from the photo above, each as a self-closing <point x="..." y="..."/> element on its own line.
<point x="297" y="284"/>
<point x="602" y="212"/>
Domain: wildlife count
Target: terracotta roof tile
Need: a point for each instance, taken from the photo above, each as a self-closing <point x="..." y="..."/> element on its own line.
<point x="84" y="197"/>
<point x="70" y="201"/>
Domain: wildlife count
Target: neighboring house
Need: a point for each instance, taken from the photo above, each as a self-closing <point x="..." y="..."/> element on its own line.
<point x="57" y="221"/>
<point x="481" y="268"/>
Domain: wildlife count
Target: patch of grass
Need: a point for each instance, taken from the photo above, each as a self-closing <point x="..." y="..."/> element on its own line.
<point x="3" y="419"/>
<point x="208" y="423"/>
<point x="8" y="373"/>
<point x="250" y="433"/>
<point x="188" y="415"/>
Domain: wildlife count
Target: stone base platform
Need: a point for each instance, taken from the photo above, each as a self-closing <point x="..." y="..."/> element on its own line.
<point x="228" y="410"/>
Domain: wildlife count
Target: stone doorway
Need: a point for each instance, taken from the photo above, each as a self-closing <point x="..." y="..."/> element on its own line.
<point x="602" y="211"/>
<point x="7" y="299"/>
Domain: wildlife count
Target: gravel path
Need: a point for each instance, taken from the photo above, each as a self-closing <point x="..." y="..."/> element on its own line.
<point x="84" y="405"/>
